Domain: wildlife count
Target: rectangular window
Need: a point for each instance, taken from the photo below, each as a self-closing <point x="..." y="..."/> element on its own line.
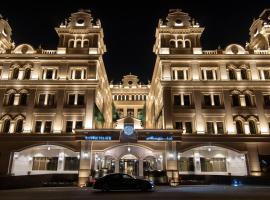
<point x="78" y="74"/>
<point x="266" y="74"/>
<point x="45" y="163"/>
<point x="178" y="125"/>
<point x="49" y="74"/>
<point x="266" y="100"/>
<point x="41" y="99"/>
<point x="186" y="164"/>
<point x="207" y="100"/>
<point x="187" y="100"/>
<point x="177" y="100"/>
<point x="80" y="99"/>
<point x="213" y="164"/>
<point x="71" y="99"/>
<point x="79" y="125"/>
<point x="210" y="127"/>
<point x="180" y="74"/>
<point x="188" y="127"/>
<point x="38" y="126"/>
<point x="48" y="126"/>
<point x="217" y="100"/>
<point x="71" y="164"/>
<point x="209" y="75"/>
<point x="220" y="128"/>
<point x="50" y="100"/>
<point x="69" y="127"/>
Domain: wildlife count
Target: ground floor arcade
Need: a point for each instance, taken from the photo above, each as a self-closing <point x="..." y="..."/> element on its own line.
<point x="73" y="155"/>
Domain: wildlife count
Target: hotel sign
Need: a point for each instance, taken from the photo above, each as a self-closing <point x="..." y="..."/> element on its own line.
<point x="159" y="138"/>
<point x="99" y="137"/>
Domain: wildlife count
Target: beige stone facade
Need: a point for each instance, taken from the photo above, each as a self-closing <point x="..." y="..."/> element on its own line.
<point x="204" y="112"/>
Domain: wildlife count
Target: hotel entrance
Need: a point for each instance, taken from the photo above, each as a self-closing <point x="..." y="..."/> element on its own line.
<point x="129" y="164"/>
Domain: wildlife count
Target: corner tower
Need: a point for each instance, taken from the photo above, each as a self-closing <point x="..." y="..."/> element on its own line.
<point x="80" y="35"/>
<point x="5" y="35"/>
<point x="178" y="34"/>
<point x="260" y="32"/>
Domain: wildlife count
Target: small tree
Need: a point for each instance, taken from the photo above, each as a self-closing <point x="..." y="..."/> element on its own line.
<point x="98" y="116"/>
<point x="115" y="115"/>
<point x="142" y="115"/>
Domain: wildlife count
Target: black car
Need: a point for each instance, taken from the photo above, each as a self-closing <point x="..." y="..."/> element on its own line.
<point x="120" y="181"/>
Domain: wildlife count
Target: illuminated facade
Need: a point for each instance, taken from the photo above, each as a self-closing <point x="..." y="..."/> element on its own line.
<point x="204" y="112"/>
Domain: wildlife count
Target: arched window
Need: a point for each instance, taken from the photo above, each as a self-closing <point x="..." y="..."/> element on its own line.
<point x="239" y="127"/>
<point x="187" y="44"/>
<point x="123" y="97"/>
<point x="252" y="127"/>
<point x="6" y="126"/>
<point x="19" y="126"/>
<point x="244" y="75"/>
<point x="27" y="73"/>
<point x="23" y="99"/>
<point x="235" y="100"/>
<point x="248" y="100"/>
<point x="79" y="44"/>
<point x="10" y="100"/>
<point x="172" y="44"/>
<point x="232" y="74"/>
<point x="180" y="44"/>
<point x="15" y="73"/>
<point x="71" y="44"/>
<point x="85" y="43"/>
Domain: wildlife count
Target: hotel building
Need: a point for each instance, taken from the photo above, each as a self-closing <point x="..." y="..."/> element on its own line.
<point x="205" y="112"/>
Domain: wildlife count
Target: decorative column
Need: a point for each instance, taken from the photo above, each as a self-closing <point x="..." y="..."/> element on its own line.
<point x="228" y="117"/>
<point x="242" y="100"/>
<point x="29" y="118"/>
<point x="166" y="72"/>
<point x="89" y="108"/>
<point x="264" y="128"/>
<point x="141" y="167"/>
<point x="238" y="75"/>
<point x="197" y="162"/>
<point x="199" y="120"/>
<point x="223" y="72"/>
<point x="254" y="71"/>
<point x="58" y="124"/>
<point x="195" y="71"/>
<point x="116" y="166"/>
<point x="85" y="162"/>
<point x="253" y="160"/>
<point x="167" y="108"/>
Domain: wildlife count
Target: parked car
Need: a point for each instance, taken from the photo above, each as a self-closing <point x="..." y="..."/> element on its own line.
<point x="120" y="181"/>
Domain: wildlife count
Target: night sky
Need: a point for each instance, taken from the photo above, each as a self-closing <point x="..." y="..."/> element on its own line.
<point x="129" y="28"/>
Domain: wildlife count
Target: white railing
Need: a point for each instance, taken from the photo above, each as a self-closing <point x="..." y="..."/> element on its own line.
<point x="209" y="52"/>
<point x="262" y="52"/>
<point x="49" y="52"/>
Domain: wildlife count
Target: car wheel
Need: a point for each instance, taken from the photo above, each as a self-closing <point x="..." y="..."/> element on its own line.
<point x="105" y="188"/>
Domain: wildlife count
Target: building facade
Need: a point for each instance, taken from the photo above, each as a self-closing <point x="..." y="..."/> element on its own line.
<point x="204" y="112"/>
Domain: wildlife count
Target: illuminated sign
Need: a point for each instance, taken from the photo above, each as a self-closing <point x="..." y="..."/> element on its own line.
<point x="128" y="129"/>
<point x="159" y="138"/>
<point x="99" y="137"/>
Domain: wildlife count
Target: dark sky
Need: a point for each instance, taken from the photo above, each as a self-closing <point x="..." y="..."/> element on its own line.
<point x="129" y="27"/>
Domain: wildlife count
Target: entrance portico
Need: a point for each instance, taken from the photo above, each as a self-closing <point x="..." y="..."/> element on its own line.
<point x="132" y="159"/>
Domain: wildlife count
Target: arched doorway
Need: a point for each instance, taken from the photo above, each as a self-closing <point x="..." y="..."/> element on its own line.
<point x="45" y="159"/>
<point x="133" y="159"/>
<point x="129" y="164"/>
